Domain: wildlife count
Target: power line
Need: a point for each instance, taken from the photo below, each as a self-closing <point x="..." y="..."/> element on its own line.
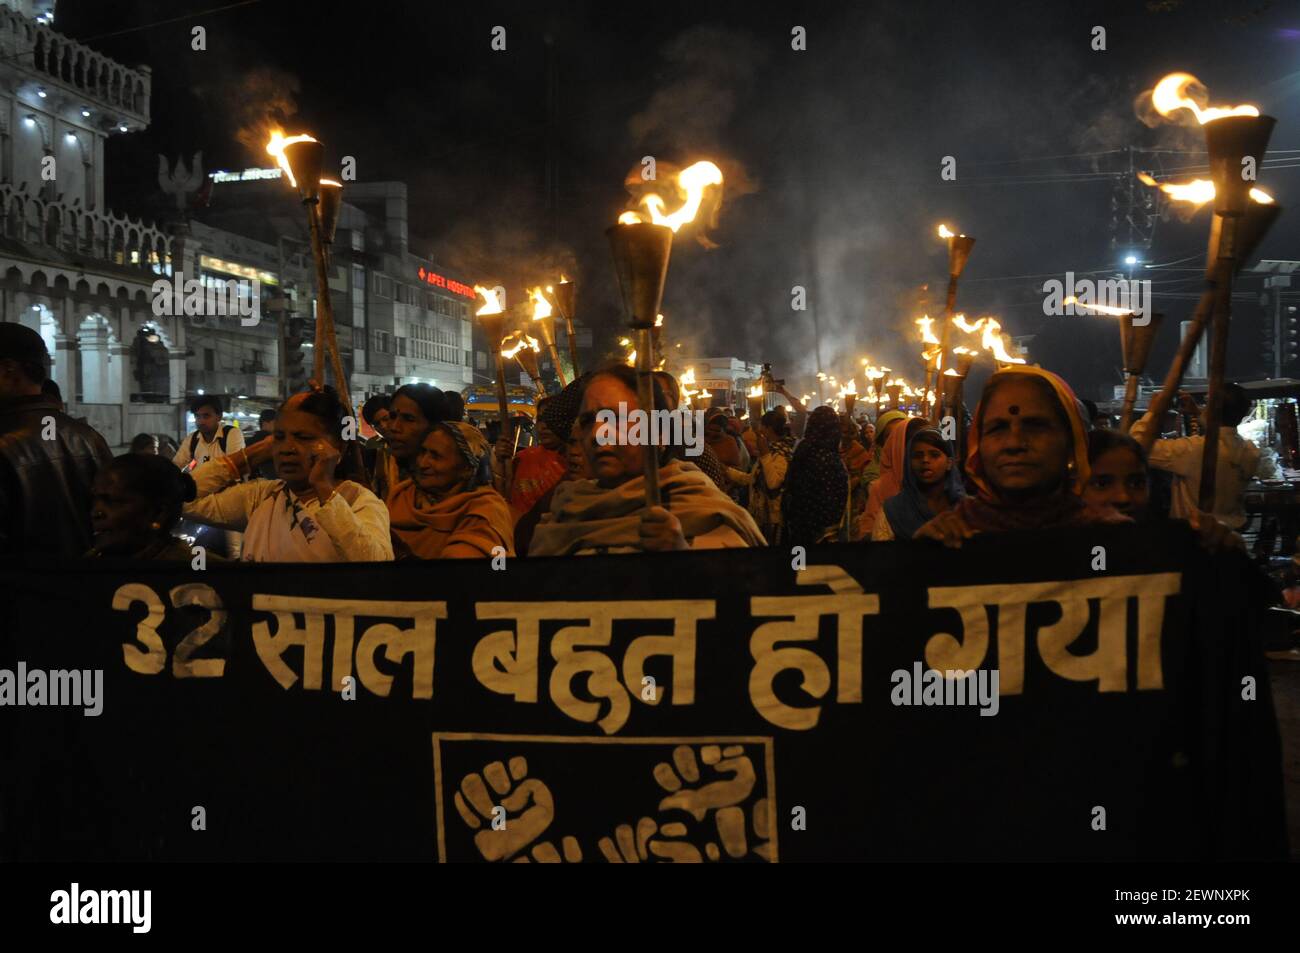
<point x="14" y="57"/>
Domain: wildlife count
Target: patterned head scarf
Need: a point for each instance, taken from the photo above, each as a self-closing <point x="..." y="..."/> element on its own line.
<point x="473" y="446"/>
<point x="561" y="410"/>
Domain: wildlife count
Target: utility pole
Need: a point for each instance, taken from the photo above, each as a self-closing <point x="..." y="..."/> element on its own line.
<point x="1133" y="211"/>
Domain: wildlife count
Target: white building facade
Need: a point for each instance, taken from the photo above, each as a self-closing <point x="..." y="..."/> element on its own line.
<point x="69" y="267"/>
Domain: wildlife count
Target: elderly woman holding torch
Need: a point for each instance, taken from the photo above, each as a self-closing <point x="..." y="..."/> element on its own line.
<point x="607" y="514"/>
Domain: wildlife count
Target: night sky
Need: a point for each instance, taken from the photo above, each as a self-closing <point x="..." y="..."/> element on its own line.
<point x="832" y="154"/>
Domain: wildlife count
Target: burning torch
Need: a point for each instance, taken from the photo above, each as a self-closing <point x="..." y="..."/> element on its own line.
<point x="1135" y="340"/>
<point x="301" y="158"/>
<point x="493" y="316"/>
<point x="959" y="249"/>
<point x="544" y="320"/>
<point x="641" y="253"/>
<point x="849" y="393"/>
<point x="560" y="297"/>
<point x="1236" y="139"/>
<point x="641" y="250"/>
<point x="524" y="349"/>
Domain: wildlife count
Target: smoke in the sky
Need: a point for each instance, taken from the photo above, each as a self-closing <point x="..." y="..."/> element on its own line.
<point x="254" y="102"/>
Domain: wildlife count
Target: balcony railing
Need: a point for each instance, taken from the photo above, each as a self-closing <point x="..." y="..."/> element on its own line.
<point x="103" y="81"/>
<point x="104" y="236"/>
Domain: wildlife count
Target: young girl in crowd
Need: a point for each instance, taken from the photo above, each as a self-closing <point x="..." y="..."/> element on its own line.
<point x="1120" y="479"/>
<point x="308" y="514"/>
<point x="895" y="433"/>
<point x="445" y="511"/>
<point x="931" y="485"/>
<point x="1118" y="474"/>
<point x="135" y="503"/>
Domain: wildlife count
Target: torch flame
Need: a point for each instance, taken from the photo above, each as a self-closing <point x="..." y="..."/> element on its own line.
<point x="927" y="335"/>
<point x="521" y="341"/>
<point x="993" y="342"/>
<point x="659" y="320"/>
<point x="1099" y="308"/>
<point x="493" y="305"/>
<point x="1197" y="191"/>
<point x="755" y="391"/>
<point x="629" y="218"/>
<point x="849" y="390"/>
<point x="631" y="359"/>
<point x="687" y="385"/>
<point x="693" y="180"/>
<point x="1171" y="93"/>
<point x="960" y="321"/>
<point x="946" y="232"/>
<point x="951" y="372"/>
<point x="276" y="147"/>
<point x="541" y="307"/>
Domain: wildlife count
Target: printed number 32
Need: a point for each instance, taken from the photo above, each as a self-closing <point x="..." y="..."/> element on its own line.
<point x="152" y="659"/>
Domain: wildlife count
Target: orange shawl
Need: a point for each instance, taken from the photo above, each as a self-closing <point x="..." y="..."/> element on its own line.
<point x="893" y="467"/>
<point x="855" y="458"/>
<point x="536" y="472"/>
<point x="463" y="526"/>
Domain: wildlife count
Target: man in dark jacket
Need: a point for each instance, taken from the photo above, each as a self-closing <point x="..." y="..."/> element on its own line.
<point x="47" y="460"/>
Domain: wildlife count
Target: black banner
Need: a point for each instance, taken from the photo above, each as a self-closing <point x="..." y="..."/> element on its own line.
<point x="736" y="705"/>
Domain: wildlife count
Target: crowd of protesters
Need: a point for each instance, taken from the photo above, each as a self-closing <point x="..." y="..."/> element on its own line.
<point x="431" y="485"/>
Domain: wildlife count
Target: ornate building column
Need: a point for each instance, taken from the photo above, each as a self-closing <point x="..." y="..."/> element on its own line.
<point x="118" y="384"/>
<point x="64" y="366"/>
<point x="176" y="375"/>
